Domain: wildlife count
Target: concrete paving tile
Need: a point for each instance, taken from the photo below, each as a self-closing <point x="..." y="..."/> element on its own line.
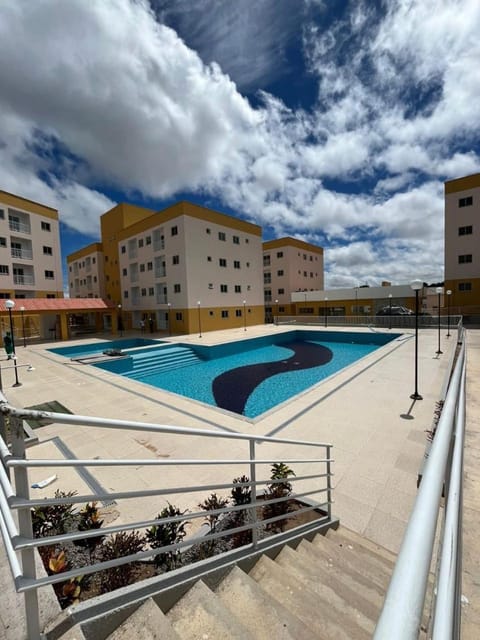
<point x="352" y="513"/>
<point x="364" y="489"/>
<point x="386" y="530"/>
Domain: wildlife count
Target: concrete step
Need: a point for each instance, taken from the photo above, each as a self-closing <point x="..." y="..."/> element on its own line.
<point x="147" y="622"/>
<point x="262" y="615"/>
<point x="374" y="571"/>
<point x="339" y="599"/>
<point x="303" y="603"/>
<point x="201" y="614"/>
<point x="349" y="538"/>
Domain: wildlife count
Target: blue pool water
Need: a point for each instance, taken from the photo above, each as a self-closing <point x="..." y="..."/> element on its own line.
<point x="248" y="377"/>
<point x="94" y="348"/>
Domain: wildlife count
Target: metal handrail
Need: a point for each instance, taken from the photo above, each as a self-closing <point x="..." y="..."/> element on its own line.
<point x="21" y="538"/>
<point x="403" y="607"/>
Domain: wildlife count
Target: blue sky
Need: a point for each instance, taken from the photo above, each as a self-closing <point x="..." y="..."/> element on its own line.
<point x="336" y="122"/>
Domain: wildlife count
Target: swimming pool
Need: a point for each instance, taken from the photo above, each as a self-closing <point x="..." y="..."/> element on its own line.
<point x="94" y="348"/>
<point x="247" y="377"/>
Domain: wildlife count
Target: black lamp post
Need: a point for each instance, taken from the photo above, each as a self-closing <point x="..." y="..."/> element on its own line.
<point x="120" y="323"/>
<point x="325" y="309"/>
<point x="416" y="285"/>
<point x="449" y="293"/>
<point x="199" y="320"/>
<point x="389" y="310"/>
<point x="439" y="291"/>
<point x="276" y="316"/>
<point x="9" y="304"/>
<point x="244" y="316"/>
<point x="22" y="309"/>
<point x="169" y="304"/>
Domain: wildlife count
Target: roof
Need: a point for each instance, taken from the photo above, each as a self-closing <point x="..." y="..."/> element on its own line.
<point x="60" y="304"/>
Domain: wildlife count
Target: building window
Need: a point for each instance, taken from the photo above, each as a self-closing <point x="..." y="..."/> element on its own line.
<point x="176" y="260"/>
<point x="123" y="249"/>
<point x="238" y="313"/>
<point x="208" y="231"/>
<point x="148" y="240"/>
<point x="266" y="261"/>
<point x="46" y="226"/>
<point x="223" y="288"/>
<point x="149" y="266"/>
<point x="465" y="202"/>
<point x="280" y="291"/>
<point x="125" y="294"/>
<point x="2" y="214"/>
<point x="236" y="240"/>
<point x="174" y="231"/>
<point x="209" y="258"/>
<point x="304" y="256"/>
<point x="465" y="258"/>
<point x="3" y="269"/>
<point x="464" y="286"/>
<point x="222" y="236"/>
<point x="151" y="291"/>
<point x="267" y="278"/>
<point x="210" y="285"/>
<point x="238" y="288"/>
<point x="51" y="295"/>
<point x="49" y="275"/>
<point x="279" y="254"/>
<point x="124" y="272"/>
<point x="222" y="262"/>
<point x="176" y="288"/>
<point x="47" y="251"/>
<point x="3" y="243"/>
<point x="465" y="231"/>
<point x="143" y="292"/>
<point x="179" y="316"/>
<point x="140" y="243"/>
<point x="225" y="313"/>
<point x="311" y="259"/>
<point x="280" y="272"/>
<point x="236" y="264"/>
<point x="281" y="309"/>
<point x="142" y="268"/>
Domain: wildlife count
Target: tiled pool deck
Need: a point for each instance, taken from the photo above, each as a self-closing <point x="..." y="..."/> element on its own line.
<point x="365" y="412"/>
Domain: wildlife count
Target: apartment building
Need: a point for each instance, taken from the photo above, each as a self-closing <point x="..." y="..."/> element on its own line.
<point x="184" y="269"/>
<point x="462" y="243"/>
<point x="289" y="265"/>
<point x="86" y="275"/>
<point x="30" y="256"/>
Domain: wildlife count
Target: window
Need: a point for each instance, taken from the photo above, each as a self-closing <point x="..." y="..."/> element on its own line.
<point x="2" y="214"/>
<point x="280" y="291"/>
<point x="176" y="260"/>
<point x="465" y="258"/>
<point x="148" y="240"/>
<point x="49" y="275"/>
<point x="149" y="266"/>
<point x="209" y="258"/>
<point x="208" y="231"/>
<point x="248" y="265"/>
<point x="465" y="231"/>
<point x="279" y="254"/>
<point x="179" y="316"/>
<point x="3" y="269"/>
<point x="123" y="249"/>
<point x="223" y="288"/>
<point x="304" y="274"/>
<point x="280" y="272"/>
<point x="47" y="251"/>
<point x="236" y="240"/>
<point x="311" y="259"/>
<point x="143" y="292"/>
<point x="151" y="291"/>
<point x="124" y="272"/>
<point x="93" y="261"/>
<point x="210" y="285"/>
<point x="304" y="256"/>
<point x="140" y="243"/>
<point x="238" y="288"/>
<point x="225" y="313"/>
<point x="174" y="231"/>
<point x="45" y="226"/>
<point x="464" y="286"/>
<point x="236" y="264"/>
<point x="465" y="202"/>
<point x="51" y="295"/>
<point x="3" y="243"/>
<point x="281" y="309"/>
<point x="267" y="278"/>
<point x="222" y="262"/>
<point x="176" y="288"/>
<point x="125" y="294"/>
<point x="266" y="261"/>
<point x="238" y="313"/>
<point x="222" y="236"/>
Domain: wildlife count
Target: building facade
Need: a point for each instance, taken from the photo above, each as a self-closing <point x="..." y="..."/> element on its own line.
<point x="462" y="243"/>
<point x="30" y="256"/>
<point x="289" y="265"/>
<point x="86" y="276"/>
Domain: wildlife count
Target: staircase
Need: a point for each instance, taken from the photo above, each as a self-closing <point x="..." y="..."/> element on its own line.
<point x="331" y="588"/>
<point x="160" y="360"/>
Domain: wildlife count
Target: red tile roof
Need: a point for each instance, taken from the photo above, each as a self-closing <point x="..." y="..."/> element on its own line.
<point x="60" y="304"/>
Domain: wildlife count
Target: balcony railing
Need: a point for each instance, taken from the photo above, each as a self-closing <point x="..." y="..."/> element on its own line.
<point x="19" y="227"/>
<point x="23" y="279"/>
<point x="22" y="254"/>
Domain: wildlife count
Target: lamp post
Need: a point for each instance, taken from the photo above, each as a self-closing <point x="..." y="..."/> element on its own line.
<point x="199" y="320"/>
<point x="449" y="293"/>
<point x="439" y="291"/>
<point x="9" y="304"/>
<point x="416" y="285"/>
<point x="120" y="323"/>
<point x="276" y="316"/>
<point x="169" y="304"/>
<point x="325" y="309"/>
<point x="244" y="316"/>
<point x="389" y="310"/>
<point x="22" y="309"/>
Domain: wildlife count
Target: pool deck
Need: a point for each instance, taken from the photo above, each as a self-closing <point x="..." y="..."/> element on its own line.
<point x="365" y="412"/>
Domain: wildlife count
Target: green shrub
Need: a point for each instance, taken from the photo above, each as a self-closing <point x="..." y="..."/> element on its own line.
<point x="52" y="520"/>
<point x="164" y="534"/>
<point x="117" y="546"/>
<point x="241" y="495"/>
<point x="275" y="491"/>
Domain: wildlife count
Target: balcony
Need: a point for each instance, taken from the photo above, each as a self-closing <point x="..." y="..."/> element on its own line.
<point x="23" y="279"/>
<point x="18" y="227"/>
<point x="22" y="254"/>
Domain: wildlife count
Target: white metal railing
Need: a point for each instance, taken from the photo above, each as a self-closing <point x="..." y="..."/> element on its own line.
<point x="379" y="322"/>
<point x="23" y="279"/>
<point x="316" y="481"/>
<point x="23" y="254"/>
<point x="18" y="227"/>
<point x="405" y="600"/>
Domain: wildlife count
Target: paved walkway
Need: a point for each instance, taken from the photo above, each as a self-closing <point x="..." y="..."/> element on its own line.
<point x="365" y="411"/>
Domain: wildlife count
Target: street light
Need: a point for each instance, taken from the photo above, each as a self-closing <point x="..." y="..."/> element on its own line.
<point x="416" y="285"/>
<point x="120" y="323"/>
<point x="9" y="304"/>
<point x="169" y="304"/>
<point x="244" y="316"/>
<point x="390" y="311"/>
<point x="199" y="320"/>
<point x="439" y="291"/>
<point x="449" y="293"/>
<point x="276" y="316"/>
<point x="22" y="309"/>
<point x="325" y="309"/>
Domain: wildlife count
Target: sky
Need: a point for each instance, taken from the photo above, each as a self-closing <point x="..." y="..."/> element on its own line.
<point x="332" y="121"/>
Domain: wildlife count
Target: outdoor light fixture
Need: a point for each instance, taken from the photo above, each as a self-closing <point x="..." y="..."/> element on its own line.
<point x="22" y="309"/>
<point x="390" y="311"/>
<point x="244" y="316"/>
<point x="325" y="309"/>
<point x="276" y="317"/>
<point x="120" y="323"/>
<point x="169" y="304"/>
<point x="199" y="320"/>
<point x="439" y="291"/>
<point x="416" y="285"/>
<point x="449" y="293"/>
<point x="10" y="304"/>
